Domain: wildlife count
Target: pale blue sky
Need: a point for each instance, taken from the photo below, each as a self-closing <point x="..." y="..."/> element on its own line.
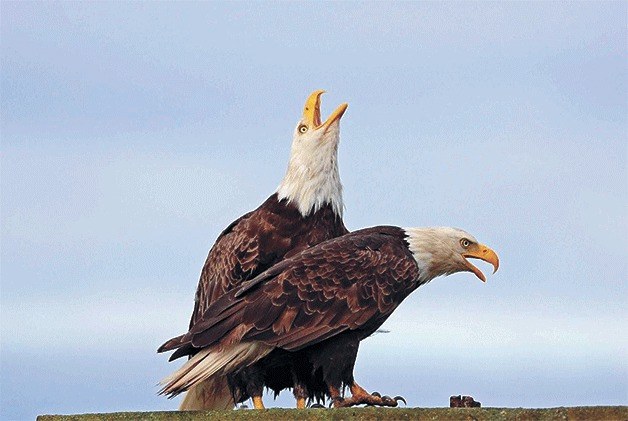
<point x="132" y="133"/>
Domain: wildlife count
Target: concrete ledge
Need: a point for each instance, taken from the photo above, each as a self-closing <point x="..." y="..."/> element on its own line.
<point x="619" y="413"/>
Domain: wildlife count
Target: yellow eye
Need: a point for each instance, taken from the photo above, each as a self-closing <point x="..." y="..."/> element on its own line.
<point x="302" y="128"/>
<point x="465" y="243"/>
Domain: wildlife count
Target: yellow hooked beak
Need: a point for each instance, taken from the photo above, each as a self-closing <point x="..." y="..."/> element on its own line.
<point x="482" y="252"/>
<point x="312" y="112"/>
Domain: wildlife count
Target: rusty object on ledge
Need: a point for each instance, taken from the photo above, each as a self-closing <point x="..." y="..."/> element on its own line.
<point x="458" y="401"/>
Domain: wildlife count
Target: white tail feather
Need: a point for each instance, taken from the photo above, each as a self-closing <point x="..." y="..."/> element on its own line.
<point x="213" y="362"/>
<point x="210" y="394"/>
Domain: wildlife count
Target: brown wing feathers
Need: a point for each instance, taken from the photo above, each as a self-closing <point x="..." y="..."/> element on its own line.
<point x="256" y="241"/>
<point x="341" y="284"/>
<point x="232" y="259"/>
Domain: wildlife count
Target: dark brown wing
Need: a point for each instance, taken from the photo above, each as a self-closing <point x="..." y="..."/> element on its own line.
<point x="353" y="282"/>
<point x="232" y="257"/>
<point x="255" y="242"/>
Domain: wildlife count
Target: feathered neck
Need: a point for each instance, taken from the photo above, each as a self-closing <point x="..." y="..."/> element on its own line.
<point x="312" y="179"/>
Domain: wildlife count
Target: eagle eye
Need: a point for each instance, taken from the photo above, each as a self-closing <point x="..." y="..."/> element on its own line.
<point x="465" y="243"/>
<point x="302" y="128"/>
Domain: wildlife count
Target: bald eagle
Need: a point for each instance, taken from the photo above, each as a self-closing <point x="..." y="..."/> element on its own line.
<point x="305" y="210"/>
<point x="319" y="304"/>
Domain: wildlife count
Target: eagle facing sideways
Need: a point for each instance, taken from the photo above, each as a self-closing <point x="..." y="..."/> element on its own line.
<point x="319" y="304"/>
<point x="305" y="210"/>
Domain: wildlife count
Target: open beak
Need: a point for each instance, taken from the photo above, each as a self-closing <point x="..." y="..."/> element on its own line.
<point x="312" y="112"/>
<point x="482" y="252"/>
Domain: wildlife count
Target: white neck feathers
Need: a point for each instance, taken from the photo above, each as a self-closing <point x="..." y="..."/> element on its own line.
<point x="312" y="179"/>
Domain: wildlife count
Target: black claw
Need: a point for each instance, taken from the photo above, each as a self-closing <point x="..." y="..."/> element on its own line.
<point x="388" y="401"/>
<point x="317" y="405"/>
<point x="376" y="394"/>
<point x="400" y="398"/>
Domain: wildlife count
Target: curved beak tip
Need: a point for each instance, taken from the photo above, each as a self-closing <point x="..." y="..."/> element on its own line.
<point x="493" y="260"/>
<point x="314" y="98"/>
<point x="312" y="109"/>
<point x="482" y="253"/>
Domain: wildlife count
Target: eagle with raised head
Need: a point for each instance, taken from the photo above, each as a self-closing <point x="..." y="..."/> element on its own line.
<point x="305" y="210"/>
<point x="318" y="305"/>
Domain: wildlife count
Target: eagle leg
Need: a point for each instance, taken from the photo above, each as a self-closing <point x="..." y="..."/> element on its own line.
<point x="336" y="397"/>
<point x="360" y="396"/>
<point x="257" y="402"/>
<point x="300" y="394"/>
